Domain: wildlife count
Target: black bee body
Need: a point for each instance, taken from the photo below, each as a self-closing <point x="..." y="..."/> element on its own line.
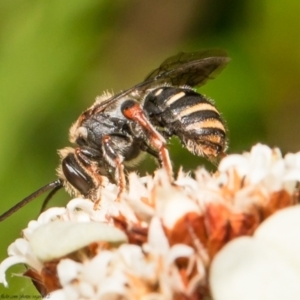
<point x="117" y="129"/>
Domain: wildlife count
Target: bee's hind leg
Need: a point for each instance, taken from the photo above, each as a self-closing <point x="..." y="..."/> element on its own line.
<point x="133" y="111"/>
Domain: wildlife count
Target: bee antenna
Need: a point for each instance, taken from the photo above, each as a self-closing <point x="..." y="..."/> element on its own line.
<point x="49" y="197"/>
<point x="55" y="185"/>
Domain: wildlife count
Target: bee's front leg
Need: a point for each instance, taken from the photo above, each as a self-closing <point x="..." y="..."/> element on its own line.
<point x="116" y="161"/>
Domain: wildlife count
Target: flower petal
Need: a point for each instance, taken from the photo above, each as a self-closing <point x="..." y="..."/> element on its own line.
<point x="7" y="263"/>
<point x="248" y="269"/>
<point x="282" y="232"/>
<point x="49" y="241"/>
<point x="67" y="270"/>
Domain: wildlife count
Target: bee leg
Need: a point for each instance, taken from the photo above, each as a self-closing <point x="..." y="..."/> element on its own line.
<point x="133" y="111"/>
<point x="116" y="161"/>
<point x="85" y="162"/>
<point x="84" y="157"/>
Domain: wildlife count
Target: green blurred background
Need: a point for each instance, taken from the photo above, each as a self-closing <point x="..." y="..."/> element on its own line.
<point x="57" y="56"/>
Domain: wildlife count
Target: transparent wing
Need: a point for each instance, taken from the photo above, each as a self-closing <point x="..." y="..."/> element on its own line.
<point x="192" y="69"/>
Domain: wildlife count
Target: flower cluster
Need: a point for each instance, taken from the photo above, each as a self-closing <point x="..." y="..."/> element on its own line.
<point x="160" y="240"/>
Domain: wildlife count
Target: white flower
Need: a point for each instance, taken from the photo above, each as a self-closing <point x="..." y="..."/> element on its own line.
<point x="159" y="239"/>
<point x="264" y="166"/>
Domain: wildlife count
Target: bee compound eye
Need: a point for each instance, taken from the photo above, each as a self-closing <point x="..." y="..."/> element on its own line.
<point x="75" y="175"/>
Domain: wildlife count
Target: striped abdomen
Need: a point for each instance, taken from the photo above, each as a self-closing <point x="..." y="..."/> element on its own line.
<point x="190" y="116"/>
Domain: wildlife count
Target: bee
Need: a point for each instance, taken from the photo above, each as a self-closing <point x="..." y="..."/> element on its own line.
<point x="117" y="129"/>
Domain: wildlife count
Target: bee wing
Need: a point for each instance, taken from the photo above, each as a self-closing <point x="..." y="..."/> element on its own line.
<point x="192" y="69"/>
